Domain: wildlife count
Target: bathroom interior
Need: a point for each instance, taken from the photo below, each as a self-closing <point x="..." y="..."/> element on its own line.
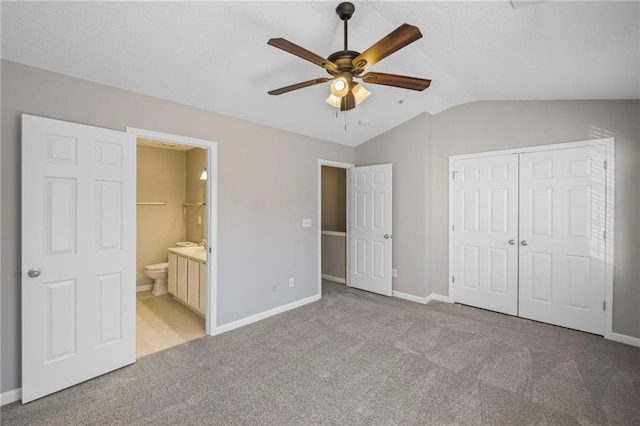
<point x="171" y="267"/>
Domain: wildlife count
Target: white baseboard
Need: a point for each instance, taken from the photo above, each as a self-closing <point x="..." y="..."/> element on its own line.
<point x="10" y="396"/>
<point x="266" y="314"/>
<point x="627" y="340"/>
<point x="334" y="279"/>
<point x="418" y="299"/>
<point x="440" y="298"/>
<point x="410" y="297"/>
<point x="144" y="287"/>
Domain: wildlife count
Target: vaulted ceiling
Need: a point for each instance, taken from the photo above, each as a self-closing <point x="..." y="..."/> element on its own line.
<point x="214" y="55"/>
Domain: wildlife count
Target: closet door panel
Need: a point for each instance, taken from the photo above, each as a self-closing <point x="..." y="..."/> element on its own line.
<point x="562" y="194"/>
<point x="485" y="220"/>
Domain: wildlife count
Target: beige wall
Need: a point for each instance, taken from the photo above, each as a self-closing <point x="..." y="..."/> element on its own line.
<point x="487" y="126"/>
<point x="196" y="193"/>
<point x="334" y="199"/>
<point x="161" y="177"/>
<point x="260" y="236"/>
<point x="407" y="147"/>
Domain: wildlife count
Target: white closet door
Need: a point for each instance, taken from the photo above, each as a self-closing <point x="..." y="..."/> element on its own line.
<point x="562" y="209"/>
<point x="486" y="233"/>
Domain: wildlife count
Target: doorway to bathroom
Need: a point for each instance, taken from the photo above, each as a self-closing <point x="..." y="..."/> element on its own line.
<point x="175" y="196"/>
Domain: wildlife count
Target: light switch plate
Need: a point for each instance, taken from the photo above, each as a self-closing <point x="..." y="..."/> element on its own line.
<point x="306" y="223"/>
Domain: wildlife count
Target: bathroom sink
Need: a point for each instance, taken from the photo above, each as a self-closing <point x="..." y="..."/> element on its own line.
<point x="193" y="249"/>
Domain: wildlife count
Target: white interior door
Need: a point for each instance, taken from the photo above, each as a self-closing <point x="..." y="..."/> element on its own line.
<point x="562" y="246"/>
<point x="486" y="233"/>
<point x="370" y="228"/>
<point x="78" y="253"/>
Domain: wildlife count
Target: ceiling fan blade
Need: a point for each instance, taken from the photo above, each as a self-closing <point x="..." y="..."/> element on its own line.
<point x="394" y="41"/>
<point x="303" y="53"/>
<point x="348" y="102"/>
<point x="297" y="86"/>
<point x="401" y="81"/>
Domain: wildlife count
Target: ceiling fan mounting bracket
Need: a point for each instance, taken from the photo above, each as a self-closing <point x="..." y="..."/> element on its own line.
<point x="345" y="10"/>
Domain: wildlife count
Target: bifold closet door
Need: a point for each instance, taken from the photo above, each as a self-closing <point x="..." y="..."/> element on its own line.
<point x="562" y="223"/>
<point x="486" y="233"/>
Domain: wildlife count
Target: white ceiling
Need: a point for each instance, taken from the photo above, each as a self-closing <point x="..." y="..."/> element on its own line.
<point x="214" y="55"/>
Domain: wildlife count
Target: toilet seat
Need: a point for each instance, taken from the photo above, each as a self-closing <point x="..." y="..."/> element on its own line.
<point x="158" y="267"/>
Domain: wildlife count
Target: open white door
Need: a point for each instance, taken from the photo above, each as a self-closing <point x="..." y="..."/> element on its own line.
<point x="78" y="253"/>
<point x="370" y="228"/>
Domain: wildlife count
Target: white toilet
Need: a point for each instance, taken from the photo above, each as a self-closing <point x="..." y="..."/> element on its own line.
<point x="159" y="273"/>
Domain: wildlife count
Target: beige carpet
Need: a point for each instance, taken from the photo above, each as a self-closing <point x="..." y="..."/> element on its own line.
<point x="161" y="323"/>
<point x="354" y="358"/>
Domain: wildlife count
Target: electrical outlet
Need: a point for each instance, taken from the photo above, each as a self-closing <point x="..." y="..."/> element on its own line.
<point x="274" y="287"/>
<point x="292" y="282"/>
<point x="394" y="273"/>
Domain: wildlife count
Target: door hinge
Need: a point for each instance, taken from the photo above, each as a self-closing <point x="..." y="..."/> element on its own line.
<point x="453" y="279"/>
<point x="604" y="235"/>
<point x="604" y="306"/>
<point x="453" y="174"/>
<point x="453" y="227"/>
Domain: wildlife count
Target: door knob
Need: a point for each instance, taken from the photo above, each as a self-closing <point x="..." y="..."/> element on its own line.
<point x="387" y="236"/>
<point x="34" y="272"/>
<point x="524" y="243"/>
<point x="512" y="242"/>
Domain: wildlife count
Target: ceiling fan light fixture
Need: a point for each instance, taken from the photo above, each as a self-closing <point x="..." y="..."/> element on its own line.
<point x="333" y="100"/>
<point x="360" y="93"/>
<point x="339" y="86"/>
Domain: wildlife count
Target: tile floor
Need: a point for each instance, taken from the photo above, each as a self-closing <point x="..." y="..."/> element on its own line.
<point x="161" y="323"/>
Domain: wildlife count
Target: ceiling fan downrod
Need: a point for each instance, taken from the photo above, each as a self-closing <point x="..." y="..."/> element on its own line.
<point x="345" y="12"/>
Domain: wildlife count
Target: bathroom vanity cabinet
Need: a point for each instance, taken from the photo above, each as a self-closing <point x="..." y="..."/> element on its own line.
<point x="188" y="277"/>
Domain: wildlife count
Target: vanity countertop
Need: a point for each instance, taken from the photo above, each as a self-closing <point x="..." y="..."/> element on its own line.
<point x="196" y="253"/>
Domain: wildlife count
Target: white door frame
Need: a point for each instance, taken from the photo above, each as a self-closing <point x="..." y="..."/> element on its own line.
<point x="609" y="147"/>
<point x="212" y="213"/>
<point x="337" y="165"/>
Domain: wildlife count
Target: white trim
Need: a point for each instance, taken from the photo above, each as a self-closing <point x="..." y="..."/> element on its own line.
<point x="536" y="148"/>
<point x="609" y="146"/>
<point x="144" y="287"/>
<point x="411" y="297"/>
<point x="440" y="298"/>
<point x="334" y="279"/>
<point x="623" y="338"/>
<point x="10" y="396"/>
<point x="334" y="233"/>
<point x="212" y="213"/>
<point x="418" y="299"/>
<point x="338" y="165"/>
<point x="266" y="314"/>
<point x="452" y="160"/>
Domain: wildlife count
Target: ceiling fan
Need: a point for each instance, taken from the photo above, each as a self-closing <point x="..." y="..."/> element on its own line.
<point x="346" y="65"/>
